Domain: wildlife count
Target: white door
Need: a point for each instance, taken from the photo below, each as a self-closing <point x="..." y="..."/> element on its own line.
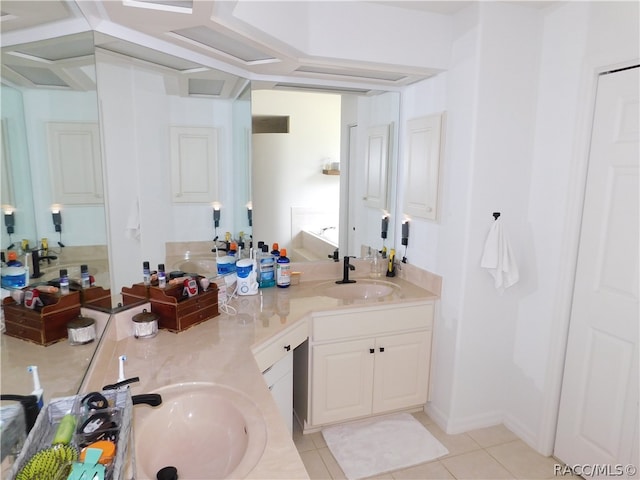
<point x="598" y="416"/>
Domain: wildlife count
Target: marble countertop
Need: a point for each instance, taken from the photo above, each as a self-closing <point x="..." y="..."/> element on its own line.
<point x="219" y="350"/>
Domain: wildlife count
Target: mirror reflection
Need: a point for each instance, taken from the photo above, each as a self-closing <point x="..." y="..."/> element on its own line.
<point x="324" y="166"/>
<point x="52" y="155"/>
<point x="52" y="182"/>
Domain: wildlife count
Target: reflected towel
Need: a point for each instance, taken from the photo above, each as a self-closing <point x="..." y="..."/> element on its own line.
<point x="498" y="257"/>
<point x="132" y="230"/>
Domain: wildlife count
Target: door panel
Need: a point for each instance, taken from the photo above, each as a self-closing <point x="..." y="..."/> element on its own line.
<point x="599" y="401"/>
<point x="401" y="371"/>
<point x="342" y="375"/>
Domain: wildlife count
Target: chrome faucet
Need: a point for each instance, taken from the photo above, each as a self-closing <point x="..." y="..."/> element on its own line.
<point x="345" y="270"/>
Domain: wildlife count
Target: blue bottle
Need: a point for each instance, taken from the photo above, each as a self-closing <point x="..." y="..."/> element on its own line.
<point x="266" y="268"/>
<point x="283" y="270"/>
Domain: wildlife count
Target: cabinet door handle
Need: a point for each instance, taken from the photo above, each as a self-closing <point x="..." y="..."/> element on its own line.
<point x="372" y="350"/>
<point x="381" y="349"/>
<point x="287" y="347"/>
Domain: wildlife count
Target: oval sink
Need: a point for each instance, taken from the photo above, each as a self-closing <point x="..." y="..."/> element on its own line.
<point x="361" y="290"/>
<point x="205" y="430"/>
<point x="206" y="267"/>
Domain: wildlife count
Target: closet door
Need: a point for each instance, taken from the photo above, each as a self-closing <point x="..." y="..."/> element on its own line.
<point x="598" y="417"/>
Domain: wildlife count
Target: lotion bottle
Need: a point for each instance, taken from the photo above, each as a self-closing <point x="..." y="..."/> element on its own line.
<point x="146" y="273"/>
<point x="64" y="282"/>
<point x="283" y="270"/>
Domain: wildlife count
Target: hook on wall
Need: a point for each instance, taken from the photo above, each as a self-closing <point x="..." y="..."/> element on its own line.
<point x="496" y="215"/>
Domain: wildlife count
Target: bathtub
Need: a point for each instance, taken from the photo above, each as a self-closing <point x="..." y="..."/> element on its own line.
<point x="316" y="244"/>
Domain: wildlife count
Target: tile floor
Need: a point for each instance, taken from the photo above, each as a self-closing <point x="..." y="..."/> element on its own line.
<point x="487" y="453"/>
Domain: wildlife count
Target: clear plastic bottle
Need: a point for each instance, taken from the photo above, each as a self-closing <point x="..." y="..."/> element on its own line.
<point x="64" y="282"/>
<point x="85" y="278"/>
<point x="283" y="270"/>
<point x="162" y="276"/>
<point x="146" y="273"/>
<point x="266" y="268"/>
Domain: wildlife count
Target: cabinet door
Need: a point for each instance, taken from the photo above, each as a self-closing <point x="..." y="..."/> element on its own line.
<point x="76" y="166"/>
<point x="423" y="165"/>
<point x="342" y="380"/>
<point x="401" y="371"/>
<point x="194" y="165"/>
<point x="376" y="167"/>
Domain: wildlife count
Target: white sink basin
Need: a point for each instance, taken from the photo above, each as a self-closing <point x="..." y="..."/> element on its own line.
<point x="361" y="290"/>
<point x="206" y="267"/>
<point x="205" y="430"/>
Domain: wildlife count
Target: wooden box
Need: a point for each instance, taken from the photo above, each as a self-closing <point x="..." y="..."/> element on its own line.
<point x="177" y="312"/>
<point x="95" y="297"/>
<point x="44" y="325"/>
<point x="136" y="293"/>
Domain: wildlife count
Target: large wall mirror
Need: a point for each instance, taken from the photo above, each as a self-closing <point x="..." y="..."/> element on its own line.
<point x="49" y="98"/>
<point x="360" y="133"/>
<point x="317" y="159"/>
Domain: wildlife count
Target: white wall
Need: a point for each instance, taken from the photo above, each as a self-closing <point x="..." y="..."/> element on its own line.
<point x="517" y="98"/>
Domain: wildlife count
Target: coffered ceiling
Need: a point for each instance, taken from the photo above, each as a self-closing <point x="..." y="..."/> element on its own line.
<point x="269" y="42"/>
<point x="209" y="33"/>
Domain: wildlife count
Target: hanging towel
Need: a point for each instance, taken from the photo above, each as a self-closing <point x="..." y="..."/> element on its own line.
<point x="132" y="230"/>
<point x="498" y="257"/>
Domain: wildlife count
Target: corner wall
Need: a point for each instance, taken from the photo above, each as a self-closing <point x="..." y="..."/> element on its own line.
<point x="518" y="100"/>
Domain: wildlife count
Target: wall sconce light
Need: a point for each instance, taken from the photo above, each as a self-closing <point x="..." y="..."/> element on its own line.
<point x="405" y="233"/>
<point x="216" y="215"/>
<point x="385" y="226"/>
<point x="57" y="221"/>
<point x="250" y="213"/>
<point x="9" y="219"/>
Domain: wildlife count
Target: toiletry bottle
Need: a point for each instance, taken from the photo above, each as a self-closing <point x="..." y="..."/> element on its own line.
<point x="37" y="388"/>
<point x="266" y="268"/>
<point x="283" y="270"/>
<point x="275" y="251"/>
<point x="162" y="276"/>
<point x="13" y="260"/>
<point x="85" y="279"/>
<point x="64" y="282"/>
<point x="146" y="273"/>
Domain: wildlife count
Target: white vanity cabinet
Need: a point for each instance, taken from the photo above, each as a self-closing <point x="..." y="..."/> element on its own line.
<point x="275" y="359"/>
<point x="368" y="361"/>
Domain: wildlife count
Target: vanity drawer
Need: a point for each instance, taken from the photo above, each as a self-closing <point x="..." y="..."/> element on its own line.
<point x="22" y="316"/>
<point x="203" y="314"/>
<point x="23" y="332"/>
<point x="46" y="325"/>
<point x="371" y="322"/>
<point x="192" y="305"/>
<point x="277" y="348"/>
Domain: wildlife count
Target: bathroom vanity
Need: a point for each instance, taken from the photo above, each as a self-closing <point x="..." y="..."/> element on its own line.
<point x="325" y="334"/>
<point x="360" y="363"/>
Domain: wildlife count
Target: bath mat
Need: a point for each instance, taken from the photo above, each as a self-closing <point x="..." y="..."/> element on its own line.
<point x="374" y="446"/>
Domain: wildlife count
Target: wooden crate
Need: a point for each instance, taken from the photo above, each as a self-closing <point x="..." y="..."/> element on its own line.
<point x="44" y="325"/>
<point x="177" y="312"/>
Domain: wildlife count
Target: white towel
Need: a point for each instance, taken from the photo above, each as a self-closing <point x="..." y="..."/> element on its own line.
<point x="132" y="230"/>
<point x="498" y="257"/>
